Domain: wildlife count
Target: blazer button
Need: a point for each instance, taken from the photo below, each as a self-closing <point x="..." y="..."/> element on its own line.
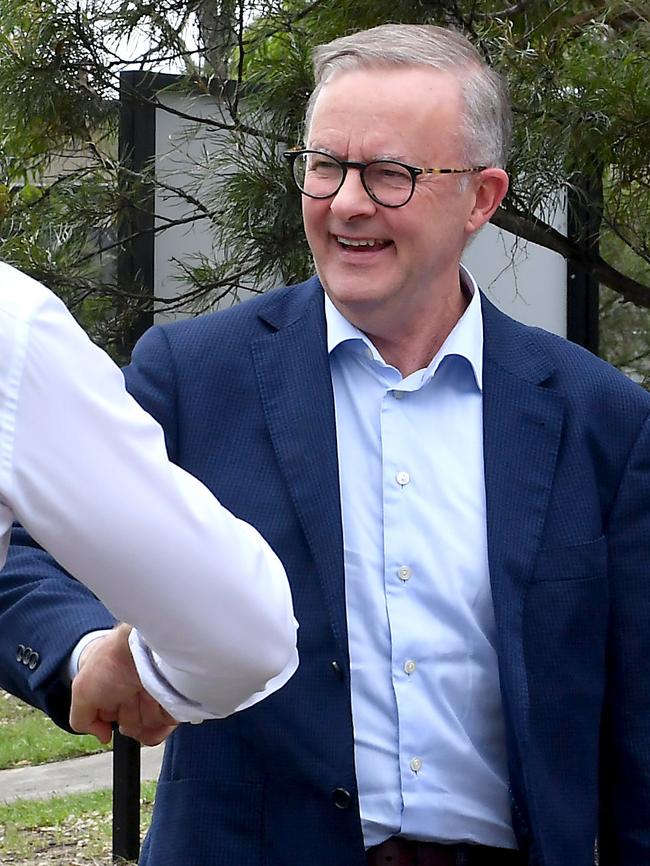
<point x="27" y="652"/>
<point x="336" y="667"/>
<point x="20" y="651"/>
<point x="34" y="660"/>
<point x="342" y="798"/>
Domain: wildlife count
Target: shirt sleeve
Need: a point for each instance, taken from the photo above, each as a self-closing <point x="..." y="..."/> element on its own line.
<point x="89" y="477"/>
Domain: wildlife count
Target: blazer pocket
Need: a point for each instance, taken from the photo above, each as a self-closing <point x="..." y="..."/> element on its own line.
<point x="205" y="824"/>
<point x="586" y="561"/>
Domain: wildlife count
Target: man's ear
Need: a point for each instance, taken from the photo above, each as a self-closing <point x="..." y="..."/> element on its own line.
<point x="490" y="188"/>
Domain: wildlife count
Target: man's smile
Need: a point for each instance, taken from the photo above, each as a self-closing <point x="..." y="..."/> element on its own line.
<point x="361" y="243"/>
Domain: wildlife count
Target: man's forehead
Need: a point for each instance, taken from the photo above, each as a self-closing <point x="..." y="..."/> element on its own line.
<point x="388" y="87"/>
<point x="385" y="105"/>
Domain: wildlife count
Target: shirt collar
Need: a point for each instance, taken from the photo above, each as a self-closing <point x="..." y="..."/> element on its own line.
<point x="465" y="339"/>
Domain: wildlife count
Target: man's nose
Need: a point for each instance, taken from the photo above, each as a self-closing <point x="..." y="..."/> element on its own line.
<point x="352" y="199"/>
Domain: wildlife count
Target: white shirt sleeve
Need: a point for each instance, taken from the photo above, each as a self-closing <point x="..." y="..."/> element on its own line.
<point x="85" y="470"/>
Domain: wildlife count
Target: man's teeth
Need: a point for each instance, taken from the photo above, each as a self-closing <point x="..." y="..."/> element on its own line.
<point x="354" y="242"/>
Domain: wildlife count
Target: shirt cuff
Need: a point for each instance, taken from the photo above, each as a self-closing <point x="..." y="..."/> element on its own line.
<point x="72" y="668"/>
<point x="151" y="667"/>
<point x="177" y="705"/>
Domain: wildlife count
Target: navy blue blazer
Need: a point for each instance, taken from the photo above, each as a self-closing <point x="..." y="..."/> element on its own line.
<point x="245" y="399"/>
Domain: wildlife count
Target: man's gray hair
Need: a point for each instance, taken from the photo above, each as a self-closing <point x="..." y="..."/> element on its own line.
<point x="487" y="121"/>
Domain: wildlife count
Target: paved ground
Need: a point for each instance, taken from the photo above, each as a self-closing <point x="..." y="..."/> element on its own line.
<point x="68" y="777"/>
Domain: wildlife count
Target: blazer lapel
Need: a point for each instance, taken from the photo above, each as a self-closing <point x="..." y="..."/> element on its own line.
<point x="293" y="372"/>
<point x="522" y="425"/>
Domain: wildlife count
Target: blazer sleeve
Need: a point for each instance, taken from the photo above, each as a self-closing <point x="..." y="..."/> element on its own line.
<point x="624" y="836"/>
<point x="42" y="607"/>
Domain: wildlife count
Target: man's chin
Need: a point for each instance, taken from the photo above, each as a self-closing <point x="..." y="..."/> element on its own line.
<point x="346" y="296"/>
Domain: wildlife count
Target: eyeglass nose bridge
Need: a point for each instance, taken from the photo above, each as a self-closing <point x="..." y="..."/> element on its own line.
<point x="361" y="168"/>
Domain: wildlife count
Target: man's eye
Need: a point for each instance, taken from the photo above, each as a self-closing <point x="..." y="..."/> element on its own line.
<point x="390" y="175"/>
<point x="392" y="172"/>
<point x="322" y="165"/>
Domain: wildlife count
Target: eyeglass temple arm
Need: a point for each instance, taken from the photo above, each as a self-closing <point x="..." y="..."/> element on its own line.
<point x="453" y="170"/>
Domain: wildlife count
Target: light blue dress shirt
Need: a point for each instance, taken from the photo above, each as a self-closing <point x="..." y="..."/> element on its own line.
<point x="428" y="726"/>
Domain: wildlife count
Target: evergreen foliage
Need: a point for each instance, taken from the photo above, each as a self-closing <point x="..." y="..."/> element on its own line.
<point x="578" y="72"/>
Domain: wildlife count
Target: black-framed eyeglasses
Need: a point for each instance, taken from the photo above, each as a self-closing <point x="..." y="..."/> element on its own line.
<point x="388" y="182"/>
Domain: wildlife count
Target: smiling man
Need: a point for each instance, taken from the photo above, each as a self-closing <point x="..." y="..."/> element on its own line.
<point x="387" y="252"/>
<point x="460" y="502"/>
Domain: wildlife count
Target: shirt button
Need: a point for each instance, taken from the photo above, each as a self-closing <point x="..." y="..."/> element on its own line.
<point x="402" y="478"/>
<point x="398" y="395"/>
<point x="404" y="572"/>
<point x="369" y="352"/>
<point x="409" y="666"/>
<point x="415" y="764"/>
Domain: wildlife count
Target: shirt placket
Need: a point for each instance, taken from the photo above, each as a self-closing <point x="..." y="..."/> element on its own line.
<point x="398" y="482"/>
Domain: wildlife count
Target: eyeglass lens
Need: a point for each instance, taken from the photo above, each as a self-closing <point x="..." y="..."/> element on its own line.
<point x="320" y="176"/>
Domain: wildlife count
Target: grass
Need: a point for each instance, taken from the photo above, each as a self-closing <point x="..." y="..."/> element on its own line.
<point x="60" y="831"/>
<point x="27" y="736"/>
<point x="73" y="830"/>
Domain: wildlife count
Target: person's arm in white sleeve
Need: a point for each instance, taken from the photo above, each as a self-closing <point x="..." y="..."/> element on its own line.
<point x="85" y="470"/>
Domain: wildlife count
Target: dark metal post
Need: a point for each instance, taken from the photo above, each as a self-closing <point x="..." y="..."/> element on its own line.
<point x="126" y="798"/>
<point x="137" y="150"/>
<point x="582" y="308"/>
<point x="584" y="218"/>
<point x="135" y="268"/>
<point x="135" y="262"/>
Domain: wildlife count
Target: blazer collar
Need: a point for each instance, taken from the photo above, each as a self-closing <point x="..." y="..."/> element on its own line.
<point x="514" y="347"/>
<point x="281" y="308"/>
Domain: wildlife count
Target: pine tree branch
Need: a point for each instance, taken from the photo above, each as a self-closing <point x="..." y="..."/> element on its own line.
<point x="539" y="232"/>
